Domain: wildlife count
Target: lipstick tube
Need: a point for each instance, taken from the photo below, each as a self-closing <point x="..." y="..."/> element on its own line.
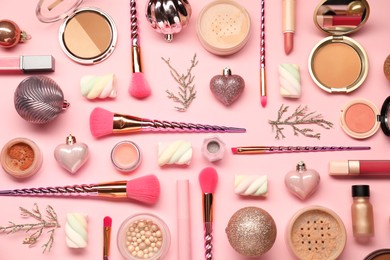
<point x="27" y="64"/>
<point x="368" y="168"/>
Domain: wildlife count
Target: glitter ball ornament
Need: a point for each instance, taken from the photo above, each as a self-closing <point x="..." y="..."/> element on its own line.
<point x="251" y="231"/>
<point x="10" y="34"/>
<point x="38" y="99"/>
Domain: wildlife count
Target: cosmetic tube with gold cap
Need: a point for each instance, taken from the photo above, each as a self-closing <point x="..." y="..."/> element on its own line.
<point x="362" y="212"/>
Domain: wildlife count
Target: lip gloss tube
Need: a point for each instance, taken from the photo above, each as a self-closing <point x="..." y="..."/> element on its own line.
<point x="367" y="168"/>
<point x="27" y="64"/>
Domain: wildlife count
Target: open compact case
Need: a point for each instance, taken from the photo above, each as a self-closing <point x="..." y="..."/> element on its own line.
<point x="339" y="64"/>
<point x="361" y="119"/>
<point x="87" y="35"/>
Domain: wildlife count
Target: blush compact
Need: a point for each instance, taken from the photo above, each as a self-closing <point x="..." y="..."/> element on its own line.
<point x="87" y="35"/>
<point x="339" y="64"/>
<point x="360" y="118"/>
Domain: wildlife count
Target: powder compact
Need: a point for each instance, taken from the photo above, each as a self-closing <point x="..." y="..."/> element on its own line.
<point x="316" y="232"/>
<point x="339" y="64"/>
<point x="361" y="119"/>
<point x="380" y="254"/>
<point x="21" y="158"/>
<point x="88" y="35"/>
<point x="223" y="27"/>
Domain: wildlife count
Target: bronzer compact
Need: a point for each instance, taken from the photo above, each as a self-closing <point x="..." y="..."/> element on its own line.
<point x="339" y="64"/>
<point x="361" y="119"/>
<point x="87" y="35"/>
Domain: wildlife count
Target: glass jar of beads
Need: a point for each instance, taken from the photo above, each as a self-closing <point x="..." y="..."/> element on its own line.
<point x="143" y="236"/>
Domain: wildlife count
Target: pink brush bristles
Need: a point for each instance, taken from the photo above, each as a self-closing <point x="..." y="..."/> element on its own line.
<point x="208" y="179"/>
<point x="145" y="189"/>
<point x="101" y="122"/>
<point x="107" y="222"/>
<point x="139" y="87"/>
<point x="263" y="100"/>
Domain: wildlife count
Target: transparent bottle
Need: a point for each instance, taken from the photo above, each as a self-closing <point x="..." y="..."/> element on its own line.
<point x="362" y="212"/>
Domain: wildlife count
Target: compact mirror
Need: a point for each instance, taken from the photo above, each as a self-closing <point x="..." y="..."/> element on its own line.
<point x="88" y="35"/>
<point x="340" y="17"/>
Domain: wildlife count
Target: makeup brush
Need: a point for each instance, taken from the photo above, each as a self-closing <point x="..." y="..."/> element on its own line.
<point x="208" y="179"/>
<point x="144" y="189"/>
<point x="294" y="149"/>
<point x="103" y="122"/>
<point x="139" y="87"/>
<point x="107" y="223"/>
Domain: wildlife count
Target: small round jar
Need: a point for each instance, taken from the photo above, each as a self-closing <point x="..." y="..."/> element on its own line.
<point x="316" y="232"/>
<point x="126" y="156"/>
<point x="145" y="232"/>
<point x="213" y="149"/>
<point x="223" y="27"/>
<point x="380" y="254"/>
<point x="21" y="158"/>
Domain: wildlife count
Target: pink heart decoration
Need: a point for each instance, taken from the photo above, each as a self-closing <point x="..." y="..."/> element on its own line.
<point x="71" y="156"/>
<point x="302" y="183"/>
<point x="227" y="88"/>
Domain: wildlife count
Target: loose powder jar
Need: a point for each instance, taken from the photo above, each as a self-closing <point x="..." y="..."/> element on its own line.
<point x="223" y="27"/>
<point x="21" y="158"/>
<point x="361" y="119"/>
<point x="316" y="233"/>
<point x="88" y="35"/>
<point x="143" y="236"/>
<point x="339" y="64"/>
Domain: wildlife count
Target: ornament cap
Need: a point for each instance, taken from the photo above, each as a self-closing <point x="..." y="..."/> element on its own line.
<point x="70" y="139"/>
<point x="301" y="166"/>
<point x="227" y="71"/>
<point x="24" y="36"/>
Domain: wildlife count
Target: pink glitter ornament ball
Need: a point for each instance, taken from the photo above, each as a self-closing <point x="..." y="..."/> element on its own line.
<point x="251" y="231"/>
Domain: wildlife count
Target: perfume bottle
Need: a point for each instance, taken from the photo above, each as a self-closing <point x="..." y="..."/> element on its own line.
<point x="362" y="212"/>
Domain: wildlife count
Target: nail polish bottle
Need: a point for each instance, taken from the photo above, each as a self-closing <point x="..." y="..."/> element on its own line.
<point x="362" y="212"/>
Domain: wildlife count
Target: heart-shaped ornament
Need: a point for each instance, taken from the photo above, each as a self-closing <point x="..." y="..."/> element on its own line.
<point x="227" y="88"/>
<point x="71" y="155"/>
<point x="302" y="182"/>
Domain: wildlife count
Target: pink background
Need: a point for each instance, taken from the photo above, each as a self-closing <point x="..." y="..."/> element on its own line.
<point x="246" y="112"/>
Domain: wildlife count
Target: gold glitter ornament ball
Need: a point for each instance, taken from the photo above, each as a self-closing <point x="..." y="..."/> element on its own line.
<point x="251" y="231"/>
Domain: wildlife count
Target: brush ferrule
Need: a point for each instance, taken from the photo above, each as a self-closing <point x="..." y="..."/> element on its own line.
<point x="208" y="209"/>
<point x="112" y="189"/>
<point x="136" y="56"/>
<point x="126" y="124"/>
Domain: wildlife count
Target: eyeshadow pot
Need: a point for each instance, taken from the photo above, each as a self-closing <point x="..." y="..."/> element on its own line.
<point x="21" y="158"/>
<point x="126" y="156"/>
<point x="88" y="35"/>
<point x="361" y="119"/>
<point x="339" y="64"/>
<point x="223" y="27"/>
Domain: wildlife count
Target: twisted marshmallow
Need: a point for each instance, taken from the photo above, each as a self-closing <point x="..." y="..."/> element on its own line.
<point x="98" y="86"/>
<point x="177" y="152"/>
<point x="290" y="80"/>
<point x="76" y="230"/>
<point x="250" y="185"/>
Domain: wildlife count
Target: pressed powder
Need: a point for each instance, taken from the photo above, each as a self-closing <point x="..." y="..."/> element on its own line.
<point x="126" y="156"/>
<point x="87" y="35"/>
<point x="337" y="65"/>
<point x="316" y="233"/>
<point x="380" y="254"/>
<point x="21" y="158"/>
<point x="223" y="27"/>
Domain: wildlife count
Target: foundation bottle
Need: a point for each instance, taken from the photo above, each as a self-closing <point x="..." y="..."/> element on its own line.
<point x="362" y="212"/>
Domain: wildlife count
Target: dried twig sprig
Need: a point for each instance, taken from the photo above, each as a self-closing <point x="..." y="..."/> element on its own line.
<point x="300" y="116"/>
<point x="187" y="92"/>
<point x="51" y="222"/>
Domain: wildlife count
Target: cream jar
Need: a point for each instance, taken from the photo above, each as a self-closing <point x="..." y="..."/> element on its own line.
<point x="339" y="64"/>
